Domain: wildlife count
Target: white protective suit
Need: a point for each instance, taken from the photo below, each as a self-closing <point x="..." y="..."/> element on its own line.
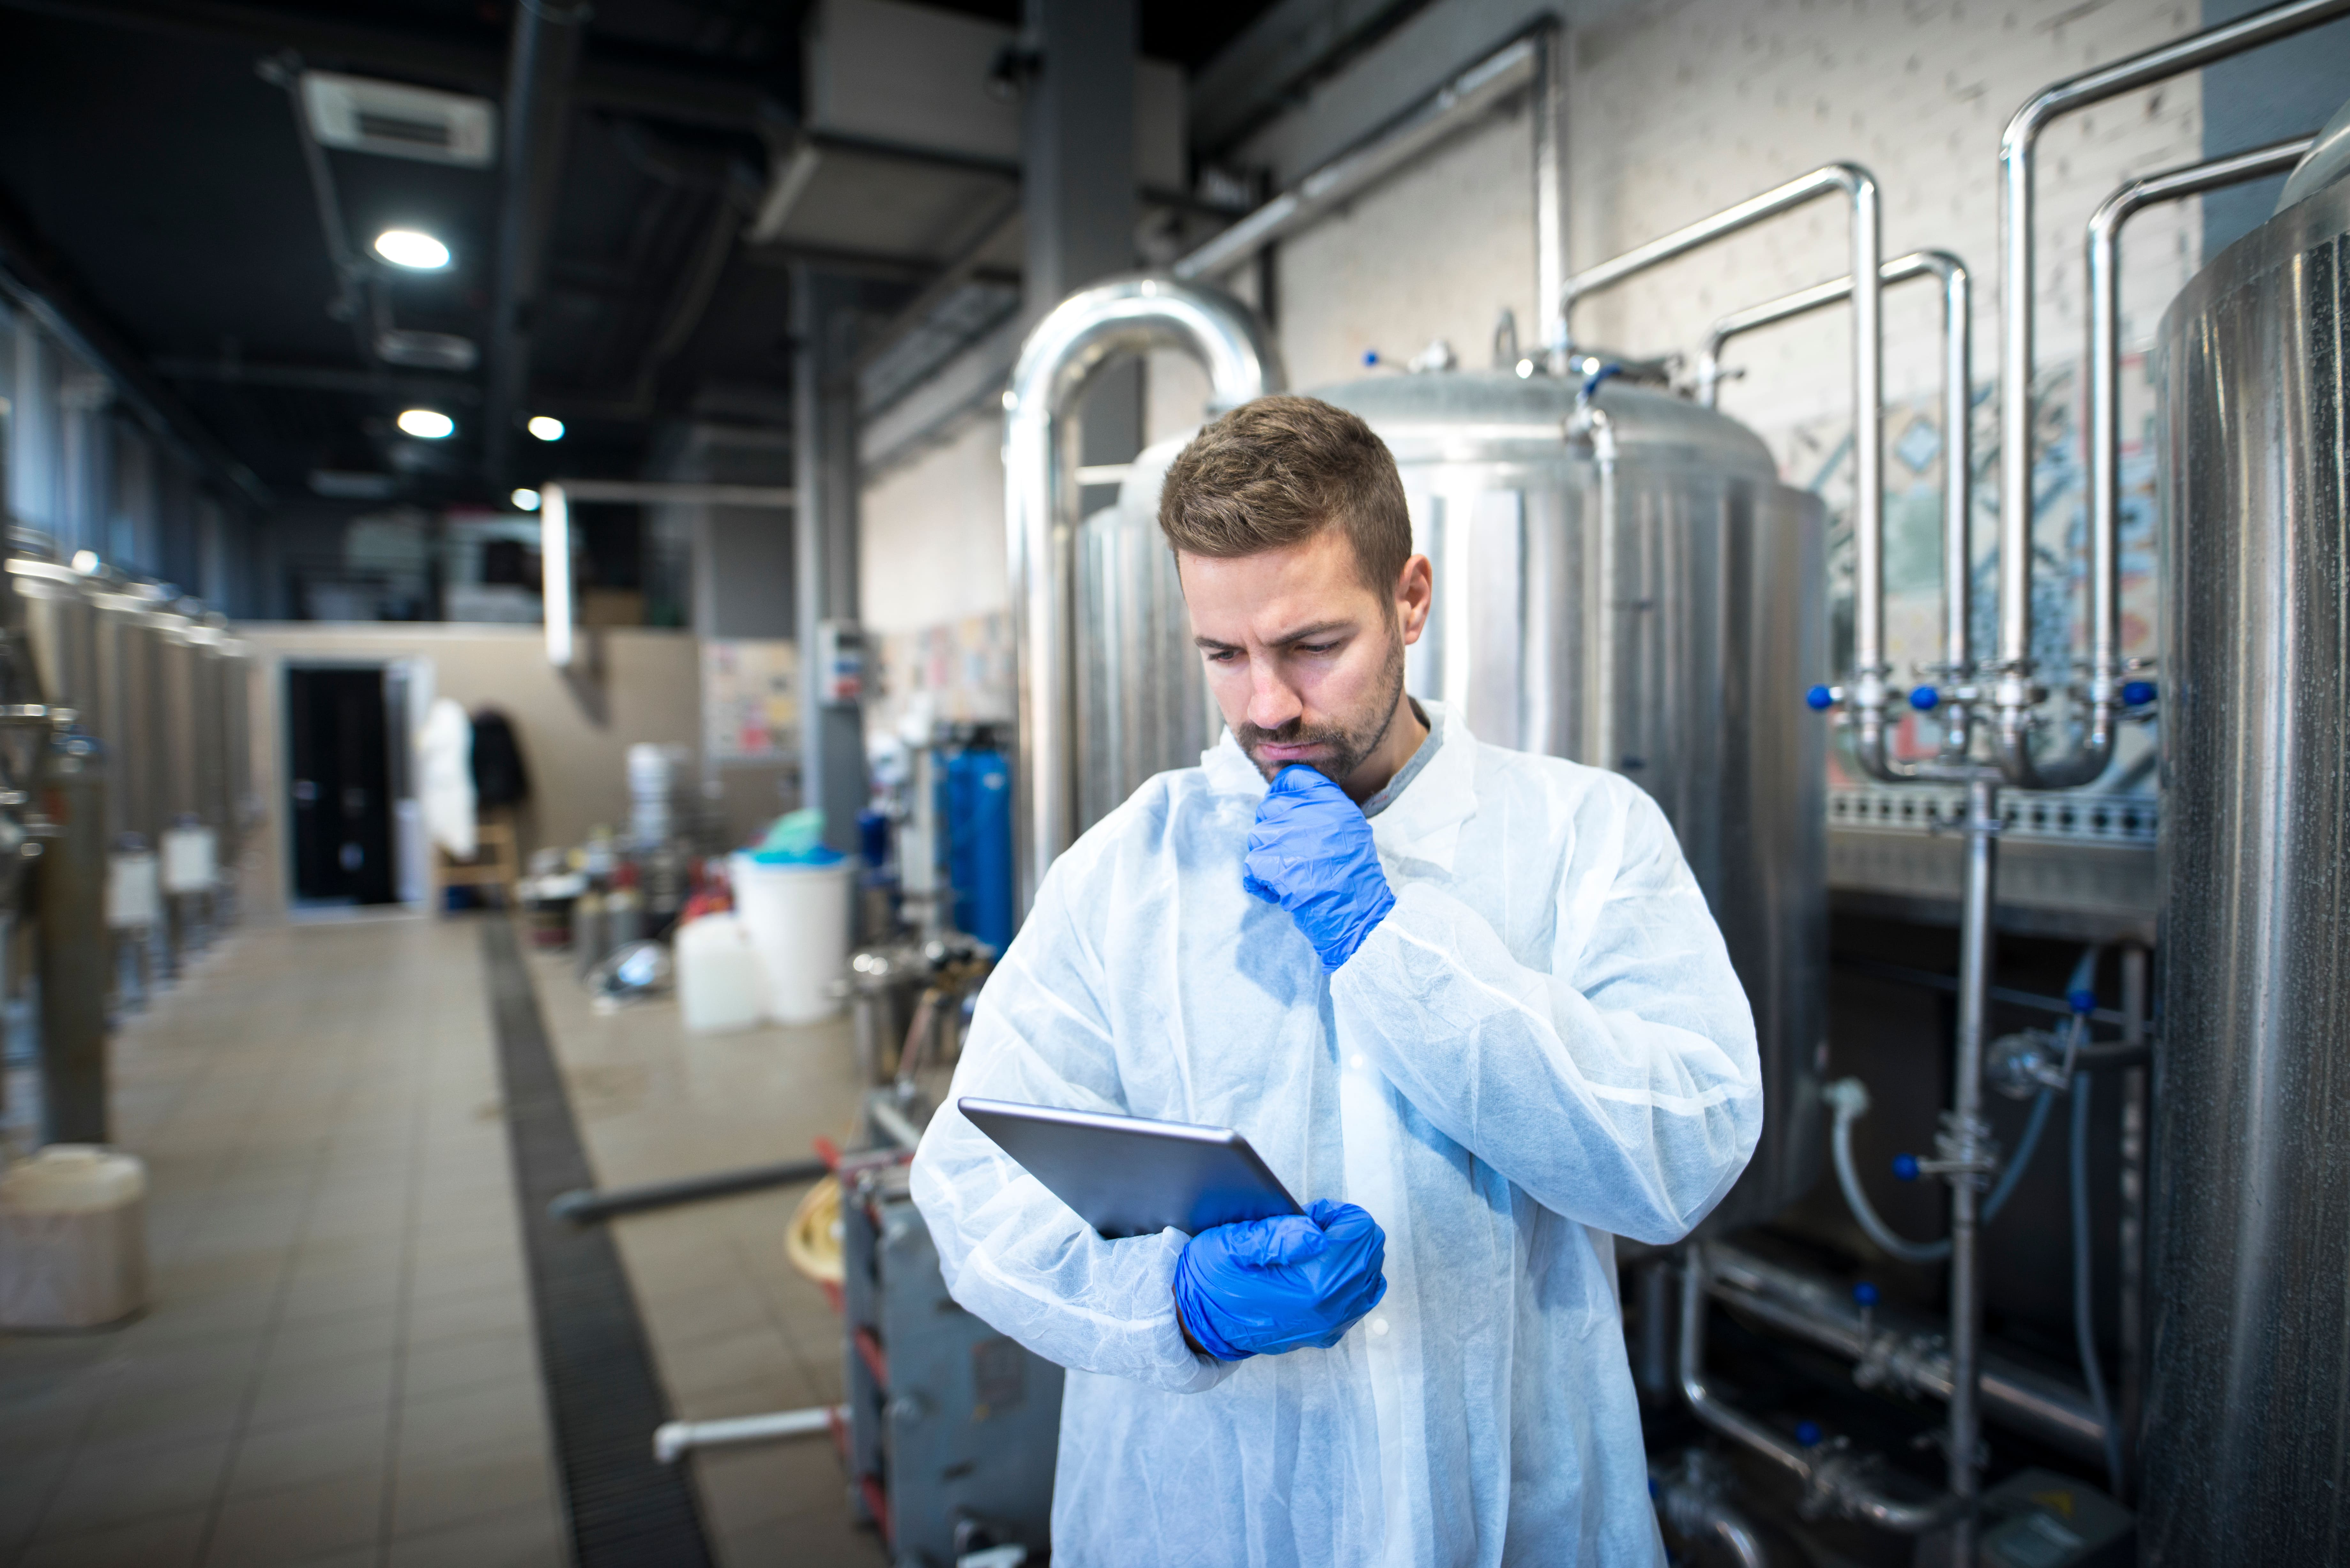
<point x="1541" y="1047"/>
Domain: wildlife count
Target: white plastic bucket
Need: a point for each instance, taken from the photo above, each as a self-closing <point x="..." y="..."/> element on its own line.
<point x="73" y="1238"/>
<point x="798" y="920"/>
<point x="720" y="984"/>
<point x="134" y="890"/>
<point x="191" y="859"/>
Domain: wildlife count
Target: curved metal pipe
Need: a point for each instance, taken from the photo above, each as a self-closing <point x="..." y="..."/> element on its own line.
<point x="1957" y="489"/>
<point x="1859" y="187"/>
<point x="2015" y="693"/>
<point x="1122" y="314"/>
<point x="1694" y="1498"/>
<point x="1834" y="1477"/>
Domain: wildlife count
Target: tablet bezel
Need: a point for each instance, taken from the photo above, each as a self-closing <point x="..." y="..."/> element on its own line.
<point x="1136" y="1195"/>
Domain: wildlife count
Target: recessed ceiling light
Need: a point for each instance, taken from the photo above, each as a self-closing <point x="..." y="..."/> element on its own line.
<point x="410" y="248"/>
<point x="524" y="500"/>
<point x="426" y="424"/>
<point x="545" y="427"/>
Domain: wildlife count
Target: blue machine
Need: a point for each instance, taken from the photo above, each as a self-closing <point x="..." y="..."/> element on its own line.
<point x="977" y="811"/>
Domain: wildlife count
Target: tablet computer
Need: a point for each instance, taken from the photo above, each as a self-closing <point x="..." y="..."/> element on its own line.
<point x="1127" y="1176"/>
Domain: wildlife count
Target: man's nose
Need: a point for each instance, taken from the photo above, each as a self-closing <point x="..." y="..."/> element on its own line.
<point x="1271" y="702"/>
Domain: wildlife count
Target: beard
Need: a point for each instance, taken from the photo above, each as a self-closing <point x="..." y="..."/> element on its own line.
<point x="1350" y="741"/>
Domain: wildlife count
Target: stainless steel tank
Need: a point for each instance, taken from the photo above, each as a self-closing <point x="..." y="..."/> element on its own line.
<point x="2247" y="1454"/>
<point x="1671" y="644"/>
<point x="1143" y="705"/>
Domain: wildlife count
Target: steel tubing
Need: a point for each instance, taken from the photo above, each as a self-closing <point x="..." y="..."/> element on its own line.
<point x="1859" y="188"/>
<point x="1898" y="1355"/>
<point x="1124" y="315"/>
<point x="1833" y="1477"/>
<point x="2015" y="693"/>
<point x="1958" y="484"/>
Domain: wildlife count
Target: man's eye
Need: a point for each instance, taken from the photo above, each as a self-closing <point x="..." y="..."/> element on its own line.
<point x="1317" y="648"/>
<point x="1222" y="655"/>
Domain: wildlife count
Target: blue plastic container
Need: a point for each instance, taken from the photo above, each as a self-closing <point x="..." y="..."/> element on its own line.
<point x="978" y="815"/>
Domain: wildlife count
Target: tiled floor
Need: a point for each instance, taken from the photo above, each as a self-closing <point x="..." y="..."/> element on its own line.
<point x="338" y="1368"/>
<point x="338" y="1365"/>
<point x="734" y="1331"/>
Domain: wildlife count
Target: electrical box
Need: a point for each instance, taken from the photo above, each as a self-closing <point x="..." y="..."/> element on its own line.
<point x="840" y="662"/>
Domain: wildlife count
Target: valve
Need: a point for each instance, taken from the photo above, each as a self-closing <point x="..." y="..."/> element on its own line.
<point x="1820" y="699"/>
<point x="2137" y="693"/>
<point x="1925" y="699"/>
<point x="1808" y="1433"/>
<point x="1863" y="1294"/>
<point x="1371" y="357"/>
<point x="2082" y="1000"/>
<point x="1905" y="1166"/>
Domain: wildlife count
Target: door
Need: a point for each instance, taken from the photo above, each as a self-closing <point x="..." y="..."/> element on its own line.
<point x="341" y="768"/>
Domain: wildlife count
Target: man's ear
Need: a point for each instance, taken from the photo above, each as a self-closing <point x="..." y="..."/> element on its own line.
<point x="1414" y="596"/>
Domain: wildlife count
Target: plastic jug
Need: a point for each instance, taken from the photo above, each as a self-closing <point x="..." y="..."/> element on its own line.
<point x="720" y="983"/>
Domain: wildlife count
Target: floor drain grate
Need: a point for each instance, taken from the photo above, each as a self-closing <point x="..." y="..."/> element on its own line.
<point x="625" y="1507"/>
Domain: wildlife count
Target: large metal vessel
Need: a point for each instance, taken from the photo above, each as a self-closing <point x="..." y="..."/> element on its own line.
<point x="2247" y="1454"/>
<point x="1683" y="672"/>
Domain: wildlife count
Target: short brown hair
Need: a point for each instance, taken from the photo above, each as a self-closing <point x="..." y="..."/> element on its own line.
<point x="1276" y="471"/>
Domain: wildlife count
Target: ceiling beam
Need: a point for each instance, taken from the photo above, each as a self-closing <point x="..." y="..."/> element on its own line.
<point x="43" y="284"/>
<point x="317" y="379"/>
<point x="679" y="88"/>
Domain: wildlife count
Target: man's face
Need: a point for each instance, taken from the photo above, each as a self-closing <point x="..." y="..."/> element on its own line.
<point x="1306" y="662"/>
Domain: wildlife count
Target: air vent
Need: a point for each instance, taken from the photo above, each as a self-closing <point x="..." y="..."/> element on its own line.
<point x="360" y="115"/>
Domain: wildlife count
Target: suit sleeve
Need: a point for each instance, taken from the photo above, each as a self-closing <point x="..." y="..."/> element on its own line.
<point x="1011" y="1253"/>
<point x="1621" y="1088"/>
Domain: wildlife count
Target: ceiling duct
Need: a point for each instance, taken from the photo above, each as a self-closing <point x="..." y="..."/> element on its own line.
<point x="360" y="115"/>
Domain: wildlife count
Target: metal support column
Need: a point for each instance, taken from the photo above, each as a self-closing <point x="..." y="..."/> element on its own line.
<point x="824" y="460"/>
<point x="1077" y="190"/>
<point x="75" y="951"/>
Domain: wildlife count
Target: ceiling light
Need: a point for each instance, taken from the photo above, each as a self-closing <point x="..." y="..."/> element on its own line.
<point x="426" y="424"/>
<point x="545" y="427"/>
<point x="524" y="500"/>
<point x="408" y="247"/>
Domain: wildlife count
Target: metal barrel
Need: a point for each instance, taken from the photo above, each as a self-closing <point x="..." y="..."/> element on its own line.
<point x="2247" y="1456"/>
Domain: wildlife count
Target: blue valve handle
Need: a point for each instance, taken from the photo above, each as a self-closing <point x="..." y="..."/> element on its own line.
<point x="2082" y="1000"/>
<point x="2137" y="693"/>
<point x="1808" y="1433"/>
<point x="1905" y="1166"/>
<point x="1863" y="1294"/>
<point x="1925" y="699"/>
<point x="1819" y="699"/>
<point x="1591" y="383"/>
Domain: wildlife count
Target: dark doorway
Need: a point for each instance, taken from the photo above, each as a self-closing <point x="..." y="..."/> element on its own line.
<point x="340" y="765"/>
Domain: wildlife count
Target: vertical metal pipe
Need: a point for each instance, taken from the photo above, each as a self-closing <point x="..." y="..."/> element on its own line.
<point x="1968" y="1135"/>
<point x="1958" y="484"/>
<point x="75" y="951"/>
<point x="2016" y="692"/>
<point x="1123" y="315"/>
<point x="2131" y="1272"/>
<point x="1551" y="47"/>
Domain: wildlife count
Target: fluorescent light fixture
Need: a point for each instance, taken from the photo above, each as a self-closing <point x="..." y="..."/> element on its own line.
<point x="524" y="500"/>
<point x="545" y="427"/>
<point x="554" y="572"/>
<point x="85" y="562"/>
<point x="411" y="248"/>
<point x="427" y="424"/>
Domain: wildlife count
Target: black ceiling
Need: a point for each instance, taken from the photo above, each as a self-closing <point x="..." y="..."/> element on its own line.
<point x="145" y="154"/>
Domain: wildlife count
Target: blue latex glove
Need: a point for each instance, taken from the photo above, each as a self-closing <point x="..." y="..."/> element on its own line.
<point x="1264" y="1286"/>
<point x="1311" y="853"/>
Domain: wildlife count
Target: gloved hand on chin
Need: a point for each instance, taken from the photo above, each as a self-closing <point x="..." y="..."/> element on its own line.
<point x="1311" y="853"/>
<point x="1263" y="1286"/>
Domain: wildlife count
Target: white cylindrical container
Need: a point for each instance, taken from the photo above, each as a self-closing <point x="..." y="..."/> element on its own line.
<point x="134" y="890"/>
<point x="797" y="916"/>
<point x="720" y="984"/>
<point x="73" y="1239"/>
<point x="191" y="859"/>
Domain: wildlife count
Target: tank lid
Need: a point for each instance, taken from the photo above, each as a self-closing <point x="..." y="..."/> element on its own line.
<point x="1493" y="416"/>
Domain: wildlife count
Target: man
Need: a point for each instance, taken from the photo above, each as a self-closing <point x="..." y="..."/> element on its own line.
<point x="1467" y="1003"/>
